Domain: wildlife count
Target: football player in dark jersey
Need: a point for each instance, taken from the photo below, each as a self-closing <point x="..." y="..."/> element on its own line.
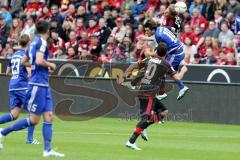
<point x="156" y="68"/>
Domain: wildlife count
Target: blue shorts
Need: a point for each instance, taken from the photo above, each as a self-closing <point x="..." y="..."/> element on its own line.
<point x="175" y="58"/>
<point x="17" y="99"/>
<point x="39" y="100"/>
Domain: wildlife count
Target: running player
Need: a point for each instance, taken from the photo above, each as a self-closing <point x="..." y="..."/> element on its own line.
<point x="174" y="47"/>
<point x="38" y="99"/>
<point x="18" y="86"/>
<point x="157" y="68"/>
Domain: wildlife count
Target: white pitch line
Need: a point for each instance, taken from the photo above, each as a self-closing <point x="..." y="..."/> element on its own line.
<point x="125" y="134"/>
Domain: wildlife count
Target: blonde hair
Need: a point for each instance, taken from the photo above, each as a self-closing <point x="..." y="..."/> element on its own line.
<point x="220" y="4"/>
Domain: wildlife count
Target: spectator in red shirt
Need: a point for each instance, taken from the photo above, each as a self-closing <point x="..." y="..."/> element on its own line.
<point x="94" y="46"/>
<point x="116" y="3"/>
<point x="71" y="13"/>
<point x="80" y="27"/>
<point x="198" y="20"/>
<point x="207" y="44"/>
<point x="93" y="29"/>
<point x="139" y="49"/>
<point x="216" y="45"/>
<point x="84" y="42"/>
<point x="58" y="42"/>
<point x="45" y="14"/>
<point x="197" y="35"/>
<point x="139" y="32"/>
<point x="151" y="4"/>
<point x="230" y="48"/>
<point x="71" y="54"/>
<point x="72" y="43"/>
<point x="34" y="8"/>
<point x="221" y="59"/>
<point x="187" y="33"/>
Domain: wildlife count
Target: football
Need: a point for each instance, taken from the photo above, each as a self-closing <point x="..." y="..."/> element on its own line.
<point x="181" y="7"/>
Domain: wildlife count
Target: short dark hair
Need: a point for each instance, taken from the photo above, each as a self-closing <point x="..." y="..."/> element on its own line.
<point x="23" y="40"/>
<point x="55" y="31"/>
<point x="150" y="24"/>
<point x="54" y="5"/>
<point x="161" y="49"/>
<point x="42" y="27"/>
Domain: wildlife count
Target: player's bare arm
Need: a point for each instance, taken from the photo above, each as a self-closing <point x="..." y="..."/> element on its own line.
<point x="42" y="62"/>
<point x="129" y="70"/>
<point x="9" y="71"/>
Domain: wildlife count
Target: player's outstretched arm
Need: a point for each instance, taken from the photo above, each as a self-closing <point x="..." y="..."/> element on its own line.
<point x="181" y="74"/>
<point x="146" y="38"/>
<point x="9" y="71"/>
<point x="42" y="62"/>
<point x="129" y="70"/>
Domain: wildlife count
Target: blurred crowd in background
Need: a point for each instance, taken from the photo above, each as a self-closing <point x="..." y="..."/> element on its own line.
<point x="110" y="30"/>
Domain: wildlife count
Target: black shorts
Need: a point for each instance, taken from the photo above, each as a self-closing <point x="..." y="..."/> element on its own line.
<point x="149" y="104"/>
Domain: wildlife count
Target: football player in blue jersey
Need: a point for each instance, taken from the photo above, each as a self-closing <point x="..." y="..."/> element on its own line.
<point x="18" y="86"/>
<point x="175" y="50"/>
<point x="38" y="98"/>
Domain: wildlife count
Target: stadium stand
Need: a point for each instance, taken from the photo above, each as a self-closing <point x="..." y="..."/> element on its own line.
<point x="109" y="30"/>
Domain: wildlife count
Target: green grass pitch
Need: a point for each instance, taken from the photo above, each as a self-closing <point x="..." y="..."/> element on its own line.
<point x="104" y="139"/>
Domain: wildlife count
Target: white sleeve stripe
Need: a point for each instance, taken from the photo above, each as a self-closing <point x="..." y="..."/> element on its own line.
<point x="33" y="95"/>
<point x="43" y="46"/>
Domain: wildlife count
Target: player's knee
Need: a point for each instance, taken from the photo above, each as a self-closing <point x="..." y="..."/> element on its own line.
<point x="48" y="117"/>
<point x="34" y="119"/>
<point x="15" y="114"/>
<point x="164" y="113"/>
